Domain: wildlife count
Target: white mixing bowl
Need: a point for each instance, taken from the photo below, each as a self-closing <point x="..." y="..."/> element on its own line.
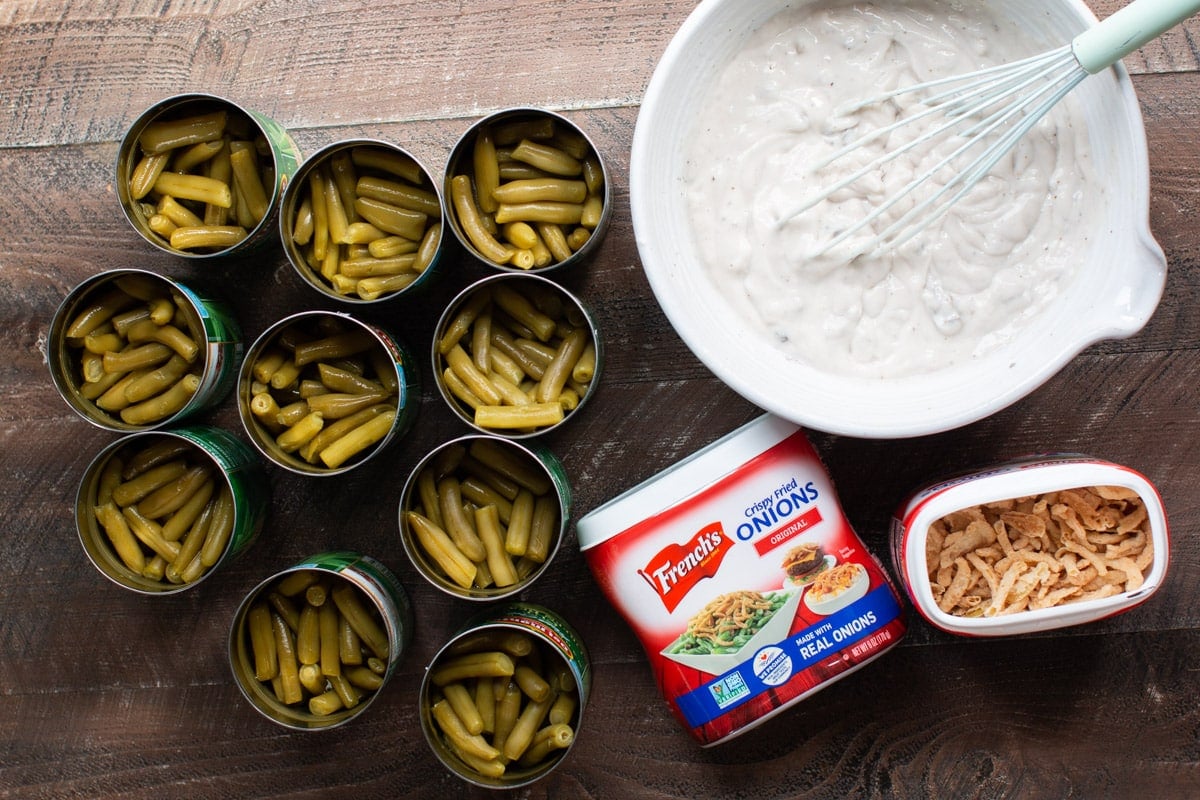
<point x="1112" y="295"/>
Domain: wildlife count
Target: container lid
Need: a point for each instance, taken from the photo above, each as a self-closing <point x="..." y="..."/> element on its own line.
<point x="682" y="479"/>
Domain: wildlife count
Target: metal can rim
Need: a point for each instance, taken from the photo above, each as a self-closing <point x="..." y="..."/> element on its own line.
<point x="289" y="201"/>
<point x="249" y="511"/>
<point x="512" y="616"/>
<point x="457" y="154"/>
<point x="408" y="395"/>
<point x="384" y="591"/>
<point x="212" y="389"/>
<point x="459" y="299"/>
<point x="260" y="121"/>
<point x="546" y="460"/>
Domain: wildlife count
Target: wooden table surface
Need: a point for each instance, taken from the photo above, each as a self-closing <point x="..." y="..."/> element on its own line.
<point x="105" y="693"/>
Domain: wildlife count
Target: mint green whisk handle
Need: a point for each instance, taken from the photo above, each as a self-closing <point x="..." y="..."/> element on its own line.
<point x="1128" y="29"/>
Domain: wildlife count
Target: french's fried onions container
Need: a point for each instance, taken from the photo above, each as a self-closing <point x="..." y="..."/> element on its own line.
<point x="743" y="579"/>
<point x="1031" y="545"/>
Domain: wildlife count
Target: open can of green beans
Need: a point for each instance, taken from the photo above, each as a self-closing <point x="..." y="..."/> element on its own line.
<point x="526" y="190"/>
<point x="321" y="393"/>
<point x="312" y="646"/>
<point x="199" y="176"/>
<point x="361" y="222"/>
<point x="516" y="355"/>
<point x="157" y="512"/>
<point x="501" y="703"/>
<point x="131" y="350"/>
<point x="482" y="517"/>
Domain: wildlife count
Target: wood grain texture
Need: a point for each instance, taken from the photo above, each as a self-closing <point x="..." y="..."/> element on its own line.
<point x="106" y="694"/>
<point x="321" y="64"/>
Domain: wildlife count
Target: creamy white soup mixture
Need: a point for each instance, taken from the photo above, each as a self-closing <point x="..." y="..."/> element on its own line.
<point x="966" y="284"/>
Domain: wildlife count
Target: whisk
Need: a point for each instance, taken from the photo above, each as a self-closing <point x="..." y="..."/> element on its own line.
<point x="992" y="108"/>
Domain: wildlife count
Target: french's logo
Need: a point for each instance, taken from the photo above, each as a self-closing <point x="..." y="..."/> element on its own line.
<point x="677" y="568"/>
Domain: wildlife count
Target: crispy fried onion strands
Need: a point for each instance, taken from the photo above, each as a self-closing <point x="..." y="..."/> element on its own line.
<point x="1040" y="551"/>
<point x="834" y="581"/>
<point x="726" y="615"/>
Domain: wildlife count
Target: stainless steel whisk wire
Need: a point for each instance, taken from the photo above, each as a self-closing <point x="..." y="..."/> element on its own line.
<point x="968" y="99"/>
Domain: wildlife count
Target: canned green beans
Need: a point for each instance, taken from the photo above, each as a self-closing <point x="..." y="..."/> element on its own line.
<point x="502" y="702"/>
<point x="321" y="393"/>
<point x="199" y="176"/>
<point x="131" y="350"/>
<point x="481" y="517"/>
<point x="159" y="511"/>
<point x="526" y="190"/>
<point x="312" y="646"/>
<point x="362" y="222"/>
<point x="516" y="355"/>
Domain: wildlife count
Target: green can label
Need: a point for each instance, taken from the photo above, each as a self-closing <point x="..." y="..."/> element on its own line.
<point x="247" y="482"/>
<point x="550" y="628"/>
<point x="408" y="393"/>
<point x="223" y="345"/>
<point x="558" y="476"/>
<point x="287" y="154"/>
<point x="383" y="588"/>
